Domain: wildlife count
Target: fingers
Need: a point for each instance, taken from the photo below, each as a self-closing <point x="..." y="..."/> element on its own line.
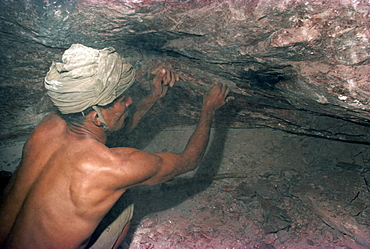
<point x="164" y="90"/>
<point x="229" y="98"/>
<point x="167" y="77"/>
<point x="155" y="71"/>
<point x="158" y="75"/>
<point x="224" y="89"/>
<point x="170" y="78"/>
<point x="216" y="98"/>
<point x="174" y="77"/>
<point x="160" y="79"/>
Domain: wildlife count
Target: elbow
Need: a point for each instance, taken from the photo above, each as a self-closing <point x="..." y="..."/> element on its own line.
<point x="191" y="163"/>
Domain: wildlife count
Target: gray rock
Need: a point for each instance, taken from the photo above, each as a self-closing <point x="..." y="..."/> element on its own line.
<point x="298" y="66"/>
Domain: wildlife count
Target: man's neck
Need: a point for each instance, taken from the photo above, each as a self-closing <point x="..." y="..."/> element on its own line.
<point x="88" y="131"/>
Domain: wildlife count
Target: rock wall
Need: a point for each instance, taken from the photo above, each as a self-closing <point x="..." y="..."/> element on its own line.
<point x="294" y="65"/>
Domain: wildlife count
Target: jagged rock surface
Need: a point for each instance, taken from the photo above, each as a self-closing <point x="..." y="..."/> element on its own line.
<point x="298" y="66"/>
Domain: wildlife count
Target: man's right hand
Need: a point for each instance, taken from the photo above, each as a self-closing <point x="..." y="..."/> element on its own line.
<point x="163" y="79"/>
<point x="216" y="97"/>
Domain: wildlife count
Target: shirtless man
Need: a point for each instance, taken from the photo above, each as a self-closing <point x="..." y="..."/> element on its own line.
<point x="68" y="179"/>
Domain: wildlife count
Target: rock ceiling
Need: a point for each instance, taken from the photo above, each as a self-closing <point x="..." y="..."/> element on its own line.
<point x="298" y="66"/>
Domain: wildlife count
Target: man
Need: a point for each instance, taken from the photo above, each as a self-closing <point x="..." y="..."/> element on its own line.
<point x="68" y="179"/>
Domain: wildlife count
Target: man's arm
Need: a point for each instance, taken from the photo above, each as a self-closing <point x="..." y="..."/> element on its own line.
<point x="142" y="168"/>
<point x="159" y="85"/>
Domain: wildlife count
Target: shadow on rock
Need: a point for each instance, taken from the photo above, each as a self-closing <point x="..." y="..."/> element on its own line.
<point x="151" y="199"/>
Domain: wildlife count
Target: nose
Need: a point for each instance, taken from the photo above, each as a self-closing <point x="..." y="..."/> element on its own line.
<point x="128" y="101"/>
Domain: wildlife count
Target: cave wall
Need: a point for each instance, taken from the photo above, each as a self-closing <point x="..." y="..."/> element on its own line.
<point x="297" y="66"/>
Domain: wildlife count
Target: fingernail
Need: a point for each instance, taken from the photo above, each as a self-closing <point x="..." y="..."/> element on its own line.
<point x="229" y="98"/>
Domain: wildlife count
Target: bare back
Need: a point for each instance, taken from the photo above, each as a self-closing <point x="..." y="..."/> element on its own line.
<point x="61" y="190"/>
<point x="68" y="180"/>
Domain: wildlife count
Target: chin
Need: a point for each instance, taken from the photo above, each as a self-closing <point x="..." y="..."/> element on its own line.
<point x="118" y="127"/>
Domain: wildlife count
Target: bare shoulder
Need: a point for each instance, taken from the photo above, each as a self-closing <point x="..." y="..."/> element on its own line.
<point x="50" y="129"/>
<point x="135" y="166"/>
<point x="52" y="118"/>
<point x="49" y="124"/>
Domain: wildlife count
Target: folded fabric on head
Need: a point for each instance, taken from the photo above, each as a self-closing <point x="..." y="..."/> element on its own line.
<point x="87" y="77"/>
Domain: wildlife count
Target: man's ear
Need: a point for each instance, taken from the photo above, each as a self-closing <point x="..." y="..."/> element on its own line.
<point x="95" y="119"/>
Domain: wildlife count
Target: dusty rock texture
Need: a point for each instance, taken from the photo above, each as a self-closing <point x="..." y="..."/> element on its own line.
<point x="299" y="66"/>
<point x="298" y="192"/>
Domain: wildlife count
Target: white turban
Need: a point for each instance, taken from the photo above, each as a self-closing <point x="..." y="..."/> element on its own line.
<point x="87" y="77"/>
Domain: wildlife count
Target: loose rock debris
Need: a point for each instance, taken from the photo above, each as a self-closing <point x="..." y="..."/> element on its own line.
<point x="311" y="209"/>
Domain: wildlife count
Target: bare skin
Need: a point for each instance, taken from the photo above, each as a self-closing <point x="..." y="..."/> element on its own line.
<point x="68" y="179"/>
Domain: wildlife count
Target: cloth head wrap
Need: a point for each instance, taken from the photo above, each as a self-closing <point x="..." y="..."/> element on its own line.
<point x="88" y="77"/>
